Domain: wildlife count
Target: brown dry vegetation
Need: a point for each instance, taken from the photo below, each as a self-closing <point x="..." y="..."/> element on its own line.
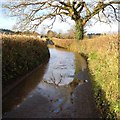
<point x="102" y="57"/>
<point x="63" y="43"/>
<point x="20" y="55"/>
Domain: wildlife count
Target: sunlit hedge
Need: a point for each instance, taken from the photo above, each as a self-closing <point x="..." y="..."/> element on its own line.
<point x="20" y="55"/>
<point x="102" y="54"/>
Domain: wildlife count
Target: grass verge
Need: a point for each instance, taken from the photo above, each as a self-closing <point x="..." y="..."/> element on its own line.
<point x="102" y="57"/>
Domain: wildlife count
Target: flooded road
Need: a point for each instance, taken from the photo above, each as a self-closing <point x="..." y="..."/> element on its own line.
<point x="55" y="90"/>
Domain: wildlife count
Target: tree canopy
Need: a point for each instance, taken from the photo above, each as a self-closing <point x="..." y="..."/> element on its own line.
<point x="32" y="13"/>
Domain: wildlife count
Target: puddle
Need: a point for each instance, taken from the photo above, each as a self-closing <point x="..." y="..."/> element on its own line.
<point x="56" y="82"/>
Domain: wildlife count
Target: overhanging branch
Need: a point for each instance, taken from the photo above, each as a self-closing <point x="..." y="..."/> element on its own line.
<point x="36" y="11"/>
<point x="115" y="13"/>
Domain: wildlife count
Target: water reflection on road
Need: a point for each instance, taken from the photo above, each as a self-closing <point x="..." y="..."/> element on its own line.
<point x="59" y="74"/>
<point x="61" y="67"/>
<point x="51" y="81"/>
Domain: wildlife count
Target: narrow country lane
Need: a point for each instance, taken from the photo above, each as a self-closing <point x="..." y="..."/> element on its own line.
<point x="55" y="90"/>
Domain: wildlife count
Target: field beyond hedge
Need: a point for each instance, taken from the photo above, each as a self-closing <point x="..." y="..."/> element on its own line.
<point x="102" y="57"/>
<point x="20" y="55"/>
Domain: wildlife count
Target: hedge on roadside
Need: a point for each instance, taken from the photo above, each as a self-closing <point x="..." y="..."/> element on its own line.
<point x="20" y="55"/>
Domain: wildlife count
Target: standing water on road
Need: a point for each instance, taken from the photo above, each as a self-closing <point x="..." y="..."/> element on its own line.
<point x="49" y="92"/>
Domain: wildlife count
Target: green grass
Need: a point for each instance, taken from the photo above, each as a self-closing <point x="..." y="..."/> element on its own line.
<point x="103" y="66"/>
<point x="102" y="57"/>
<point x="104" y="73"/>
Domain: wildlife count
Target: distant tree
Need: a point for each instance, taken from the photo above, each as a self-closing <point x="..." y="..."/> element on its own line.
<point x="50" y="33"/>
<point x="59" y="35"/>
<point x="6" y="31"/>
<point x="71" y="33"/>
<point x="33" y="12"/>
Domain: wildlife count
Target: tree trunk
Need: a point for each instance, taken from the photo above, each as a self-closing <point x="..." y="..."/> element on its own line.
<point x="79" y="30"/>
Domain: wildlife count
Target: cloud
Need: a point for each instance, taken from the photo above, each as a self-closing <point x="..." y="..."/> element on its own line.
<point x="58" y="26"/>
<point x="102" y="28"/>
<point x="6" y="21"/>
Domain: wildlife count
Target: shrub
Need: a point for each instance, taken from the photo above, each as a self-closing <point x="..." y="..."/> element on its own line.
<point x="20" y="55"/>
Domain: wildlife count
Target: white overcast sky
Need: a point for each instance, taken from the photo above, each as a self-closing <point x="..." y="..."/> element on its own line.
<point x="7" y="22"/>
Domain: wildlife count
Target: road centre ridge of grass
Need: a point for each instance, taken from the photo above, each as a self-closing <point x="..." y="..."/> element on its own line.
<point x="20" y="55"/>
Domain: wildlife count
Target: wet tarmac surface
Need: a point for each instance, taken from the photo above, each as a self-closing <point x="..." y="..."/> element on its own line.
<point x="60" y="89"/>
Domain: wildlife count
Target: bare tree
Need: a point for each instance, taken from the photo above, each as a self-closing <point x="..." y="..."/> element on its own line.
<point x="54" y="81"/>
<point x="33" y="12"/>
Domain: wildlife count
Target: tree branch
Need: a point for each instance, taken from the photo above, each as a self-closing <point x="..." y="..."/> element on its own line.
<point x="87" y="9"/>
<point x="115" y="13"/>
<point x="36" y="11"/>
